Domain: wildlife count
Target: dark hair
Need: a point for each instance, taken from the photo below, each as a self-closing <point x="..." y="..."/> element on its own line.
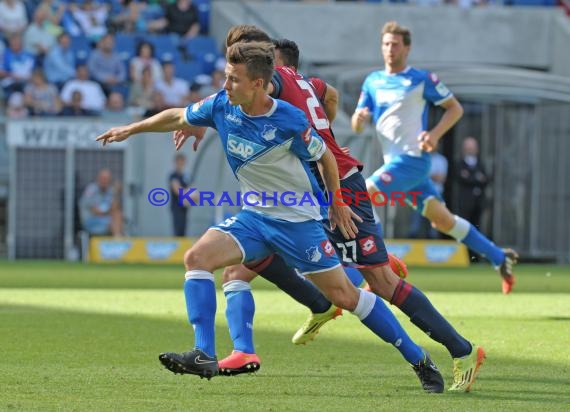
<point x="392" y="27"/>
<point x="246" y="33"/>
<point x="289" y="52"/>
<point x="142" y="44"/>
<point x="256" y="56"/>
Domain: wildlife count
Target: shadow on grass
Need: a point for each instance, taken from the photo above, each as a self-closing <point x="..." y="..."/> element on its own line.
<point x="94" y="361"/>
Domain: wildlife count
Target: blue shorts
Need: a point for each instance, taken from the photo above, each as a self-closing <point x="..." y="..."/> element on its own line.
<point x="406" y="177"/>
<point x="303" y="245"/>
<point x="368" y="249"/>
<point x="98" y="225"/>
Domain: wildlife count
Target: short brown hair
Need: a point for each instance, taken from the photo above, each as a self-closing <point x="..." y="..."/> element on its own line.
<point x="247" y="33"/>
<point x="392" y="27"/>
<point x="258" y="58"/>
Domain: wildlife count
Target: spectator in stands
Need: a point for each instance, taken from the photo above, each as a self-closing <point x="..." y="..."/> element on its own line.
<point x="59" y="64"/>
<point x="16" y="109"/>
<point x="100" y="208"/>
<point x="17" y="67"/>
<point x="91" y="18"/>
<point x="75" y="106"/>
<point x="145" y="58"/>
<point x="55" y="11"/>
<point x="150" y="15"/>
<point x="123" y="15"/>
<point x="106" y="66"/>
<point x="182" y="19"/>
<point x="38" y="40"/>
<point x="472" y="179"/>
<point x="158" y="104"/>
<point x="178" y="180"/>
<point x="195" y="94"/>
<point x="41" y="97"/>
<point x="141" y="91"/>
<point x="13" y="17"/>
<point x="93" y="95"/>
<point x="115" y="108"/>
<point x="174" y="89"/>
<point x="218" y="79"/>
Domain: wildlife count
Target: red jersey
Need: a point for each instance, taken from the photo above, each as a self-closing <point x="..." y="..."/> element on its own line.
<point x="292" y="87"/>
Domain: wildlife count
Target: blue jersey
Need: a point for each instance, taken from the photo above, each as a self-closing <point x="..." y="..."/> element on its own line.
<point x="398" y="104"/>
<point x="268" y="154"/>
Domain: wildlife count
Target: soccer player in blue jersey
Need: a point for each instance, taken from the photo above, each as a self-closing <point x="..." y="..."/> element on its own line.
<point x="396" y="101"/>
<point x="266" y="140"/>
<point x="240" y="308"/>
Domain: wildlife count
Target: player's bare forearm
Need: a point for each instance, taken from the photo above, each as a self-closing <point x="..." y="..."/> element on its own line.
<point x="329" y="170"/>
<point x="453" y="112"/>
<point x="331" y="102"/>
<point x="340" y="215"/>
<point x="166" y="121"/>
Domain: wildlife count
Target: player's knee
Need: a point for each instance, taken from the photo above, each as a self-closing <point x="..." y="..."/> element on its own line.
<point x="344" y="298"/>
<point x="193" y="259"/>
<point x="442" y="223"/>
<point x="236" y="272"/>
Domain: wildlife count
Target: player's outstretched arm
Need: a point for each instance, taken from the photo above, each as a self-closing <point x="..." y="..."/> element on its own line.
<point x="339" y="215"/>
<point x="165" y="121"/>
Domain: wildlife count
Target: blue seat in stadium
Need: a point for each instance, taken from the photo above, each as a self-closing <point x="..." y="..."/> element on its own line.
<point x="164" y="44"/>
<point x="188" y="70"/>
<point x="125" y="45"/>
<point x="204" y="7"/>
<point x="205" y="50"/>
<point x="81" y="47"/>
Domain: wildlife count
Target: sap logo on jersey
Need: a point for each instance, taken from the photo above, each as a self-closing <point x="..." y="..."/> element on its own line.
<point x="241" y="148"/>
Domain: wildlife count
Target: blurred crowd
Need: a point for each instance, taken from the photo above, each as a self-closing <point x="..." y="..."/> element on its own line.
<point x="111" y="57"/>
<point x="104" y="57"/>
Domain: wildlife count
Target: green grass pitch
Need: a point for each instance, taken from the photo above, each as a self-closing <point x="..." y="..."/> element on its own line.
<point x="86" y="337"/>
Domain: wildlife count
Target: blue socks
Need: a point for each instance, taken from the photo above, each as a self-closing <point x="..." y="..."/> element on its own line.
<point x="200" y="294"/>
<point x="239" y="313"/>
<point x="373" y="313"/>
<point x="354" y="275"/>
<point x="421" y="312"/>
<point x="480" y="244"/>
<point x="465" y="232"/>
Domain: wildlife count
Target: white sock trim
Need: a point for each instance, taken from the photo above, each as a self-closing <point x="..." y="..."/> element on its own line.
<point x="460" y="230"/>
<point x="199" y="274"/>
<point x="236" y="286"/>
<point x="366" y="303"/>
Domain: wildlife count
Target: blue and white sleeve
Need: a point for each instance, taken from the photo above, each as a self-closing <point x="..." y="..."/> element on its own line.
<point x="308" y="145"/>
<point x="365" y="99"/>
<point x="435" y="91"/>
<point x="201" y="113"/>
